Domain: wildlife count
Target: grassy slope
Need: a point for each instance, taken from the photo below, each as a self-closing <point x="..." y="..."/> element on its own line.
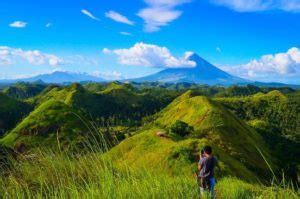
<point x="233" y="141"/>
<point x="145" y="165"/>
<point x="275" y="108"/>
<point x="118" y="100"/>
<point x="43" y="124"/>
<point x="24" y="90"/>
<point x="90" y="176"/>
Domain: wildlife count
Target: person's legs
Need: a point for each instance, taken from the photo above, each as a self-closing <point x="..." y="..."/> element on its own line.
<point x="204" y="193"/>
<point x="212" y="184"/>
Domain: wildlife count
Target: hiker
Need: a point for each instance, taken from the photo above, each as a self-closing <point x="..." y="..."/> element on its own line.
<point x="206" y="165"/>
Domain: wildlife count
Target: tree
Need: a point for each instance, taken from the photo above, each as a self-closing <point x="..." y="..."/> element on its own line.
<point x="181" y="128"/>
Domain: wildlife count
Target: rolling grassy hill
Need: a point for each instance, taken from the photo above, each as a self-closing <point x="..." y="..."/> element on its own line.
<point x="23" y="90"/>
<point x="275" y="117"/>
<point x="116" y="105"/>
<point x="64" y="158"/>
<point x="118" y="101"/>
<point x="50" y="123"/>
<point x="234" y="142"/>
<point x="275" y="108"/>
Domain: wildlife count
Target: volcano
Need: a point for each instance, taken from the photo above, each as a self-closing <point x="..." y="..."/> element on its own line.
<point x="202" y="73"/>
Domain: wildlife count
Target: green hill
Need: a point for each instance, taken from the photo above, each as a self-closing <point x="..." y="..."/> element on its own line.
<point x="94" y="87"/>
<point x="274" y="108"/>
<point x="24" y="90"/>
<point x="277" y="118"/>
<point x="233" y="141"/>
<point x="50" y="123"/>
<point x="115" y="106"/>
<point x="11" y="112"/>
<point x="118" y="102"/>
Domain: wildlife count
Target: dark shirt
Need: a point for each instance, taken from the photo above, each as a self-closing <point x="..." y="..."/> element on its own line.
<point x="208" y="164"/>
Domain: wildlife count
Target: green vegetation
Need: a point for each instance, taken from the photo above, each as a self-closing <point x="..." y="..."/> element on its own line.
<point x="213" y="125"/>
<point x="24" y="90"/>
<point x="11" y="112"/>
<point x="118" y="140"/>
<point x="94" y="175"/>
<point x="276" y="117"/>
<point x="271" y="108"/>
<point x="118" y="104"/>
<point x="181" y="128"/>
<point x="51" y="121"/>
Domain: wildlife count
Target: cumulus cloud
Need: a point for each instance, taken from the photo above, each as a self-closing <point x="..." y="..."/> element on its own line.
<point x="160" y="13"/>
<point x="118" y="17"/>
<point x="150" y="55"/>
<point x="9" y="56"/>
<point x="285" y="64"/>
<point x="90" y="15"/>
<point x="18" y="24"/>
<point x="259" y="5"/>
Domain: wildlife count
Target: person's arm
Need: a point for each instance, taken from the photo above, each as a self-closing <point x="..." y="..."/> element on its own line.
<point x="200" y="165"/>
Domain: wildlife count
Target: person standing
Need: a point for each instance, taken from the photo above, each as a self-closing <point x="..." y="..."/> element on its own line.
<point x="206" y="166"/>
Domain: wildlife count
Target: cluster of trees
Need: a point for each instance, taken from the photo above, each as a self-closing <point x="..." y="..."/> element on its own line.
<point x="181" y="128"/>
<point x="11" y="112"/>
<point x="213" y="91"/>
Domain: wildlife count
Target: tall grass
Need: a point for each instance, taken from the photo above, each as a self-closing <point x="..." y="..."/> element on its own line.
<point x="92" y="175"/>
<point x="61" y="174"/>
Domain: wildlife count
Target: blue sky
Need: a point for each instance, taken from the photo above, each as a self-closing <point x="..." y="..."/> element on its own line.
<point x="249" y="38"/>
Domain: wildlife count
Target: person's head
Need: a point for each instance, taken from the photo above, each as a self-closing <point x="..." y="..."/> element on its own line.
<point x="201" y="153"/>
<point x="207" y="150"/>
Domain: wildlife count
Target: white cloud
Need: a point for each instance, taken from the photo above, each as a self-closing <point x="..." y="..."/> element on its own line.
<point x="290" y="5"/>
<point x="259" y="5"/>
<point x="280" y="65"/>
<point x="9" y="56"/>
<point x="160" y="13"/>
<point x="150" y="55"/>
<point x="118" y="17"/>
<point x="126" y="33"/>
<point x="18" y="24"/>
<point x="108" y="75"/>
<point x="106" y="51"/>
<point x="218" y="49"/>
<point x="48" y="25"/>
<point x="90" y="15"/>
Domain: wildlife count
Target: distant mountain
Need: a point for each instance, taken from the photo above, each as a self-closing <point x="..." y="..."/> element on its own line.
<point x="59" y="77"/>
<point x="202" y="73"/>
<point x="272" y="84"/>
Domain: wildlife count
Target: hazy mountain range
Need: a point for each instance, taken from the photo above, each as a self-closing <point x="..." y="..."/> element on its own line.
<point x="203" y="73"/>
<point x="58" y="77"/>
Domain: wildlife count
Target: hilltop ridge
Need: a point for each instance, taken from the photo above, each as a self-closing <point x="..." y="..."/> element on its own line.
<point x="212" y="124"/>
